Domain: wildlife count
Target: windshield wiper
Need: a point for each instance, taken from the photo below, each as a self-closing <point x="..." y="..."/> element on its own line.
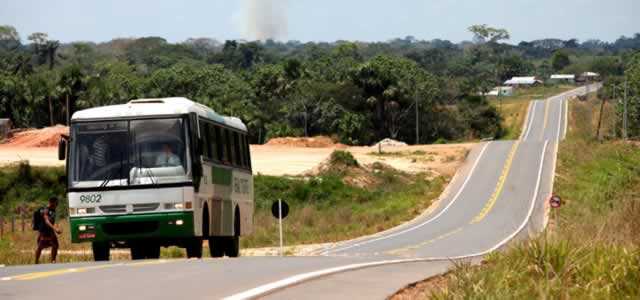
<point x="110" y="177"/>
<point x="148" y="171"/>
<point x="151" y="176"/>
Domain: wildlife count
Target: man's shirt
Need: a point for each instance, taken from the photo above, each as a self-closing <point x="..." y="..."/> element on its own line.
<point x="168" y="160"/>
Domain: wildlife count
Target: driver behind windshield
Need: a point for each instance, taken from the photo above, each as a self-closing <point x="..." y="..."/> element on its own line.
<point x="167" y="158"/>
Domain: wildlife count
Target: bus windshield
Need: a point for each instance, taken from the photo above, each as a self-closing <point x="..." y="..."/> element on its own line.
<point x="130" y="152"/>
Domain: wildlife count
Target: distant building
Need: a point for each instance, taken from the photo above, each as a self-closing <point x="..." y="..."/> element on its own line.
<point x="568" y="78"/>
<point x="5" y="127"/>
<point x="588" y="77"/>
<point x="504" y="91"/>
<point x="523" y="81"/>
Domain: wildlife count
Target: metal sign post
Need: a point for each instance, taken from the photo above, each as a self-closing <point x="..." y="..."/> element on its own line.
<point x="280" y="210"/>
<point x="555" y="202"/>
<point x="280" y="221"/>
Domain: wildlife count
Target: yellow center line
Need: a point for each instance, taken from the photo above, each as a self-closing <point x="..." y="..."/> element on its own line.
<point x="546" y="117"/>
<point x="151" y="262"/>
<point x="38" y="275"/>
<point x="483" y="213"/>
<point x="45" y="274"/>
<point x="499" y="187"/>
<point x="416" y="246"/>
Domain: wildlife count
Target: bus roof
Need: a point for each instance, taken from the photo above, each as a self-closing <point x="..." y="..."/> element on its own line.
<point x="157" y="106"/>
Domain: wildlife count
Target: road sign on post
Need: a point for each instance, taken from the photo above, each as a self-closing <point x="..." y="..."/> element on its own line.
<point x="555" y="201"/>
<point x="280" y="210"/>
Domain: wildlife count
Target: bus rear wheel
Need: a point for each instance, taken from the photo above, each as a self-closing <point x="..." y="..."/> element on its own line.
<point x="232" y="246"/>
<point x="216" y="246"/>
<point x="100" y="251"/>
<point x="232" y="243"/>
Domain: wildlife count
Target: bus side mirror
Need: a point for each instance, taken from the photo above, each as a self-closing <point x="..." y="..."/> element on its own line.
<point x="62" y="149"/>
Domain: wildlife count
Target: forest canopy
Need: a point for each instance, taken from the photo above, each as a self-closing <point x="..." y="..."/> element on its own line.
<point x="358" y="92"/>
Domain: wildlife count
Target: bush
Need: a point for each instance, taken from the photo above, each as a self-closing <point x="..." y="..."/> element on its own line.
<point x="30" y="187"/>
<point x="343" y="158"/>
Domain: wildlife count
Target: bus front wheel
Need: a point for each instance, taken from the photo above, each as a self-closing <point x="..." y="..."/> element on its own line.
<point x="194" y="248"/>
<point x="100" y="251"/>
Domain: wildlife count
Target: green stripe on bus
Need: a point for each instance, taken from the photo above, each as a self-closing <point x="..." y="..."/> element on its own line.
<point x="221" y="176"/>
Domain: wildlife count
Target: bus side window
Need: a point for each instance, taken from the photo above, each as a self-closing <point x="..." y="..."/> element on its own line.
<point x="243" y="154"/>
<point x="206" y="150"/>
<point x="227" y="144"/>
<point x="247" y="151"/>
<point x="239" y="157"/>
<point x="231" y="146"/>
<point x="220" y="143"/>
<point x="213" y="142"/>
<point x="223" y="142"/>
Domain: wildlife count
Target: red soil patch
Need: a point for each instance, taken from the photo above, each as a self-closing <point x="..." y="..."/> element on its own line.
<point x="311" y="142"/>
<point x="38" y="138"/>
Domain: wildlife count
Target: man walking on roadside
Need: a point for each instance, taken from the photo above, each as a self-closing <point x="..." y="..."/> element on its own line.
<point x="48" y="230"/>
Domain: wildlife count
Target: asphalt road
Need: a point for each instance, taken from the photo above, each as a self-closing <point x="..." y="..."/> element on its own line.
<point x="498" y="196"/>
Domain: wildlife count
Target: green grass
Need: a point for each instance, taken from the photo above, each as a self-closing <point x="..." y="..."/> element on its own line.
<point x="592" y="251"/>
<point x="324" y="208"/>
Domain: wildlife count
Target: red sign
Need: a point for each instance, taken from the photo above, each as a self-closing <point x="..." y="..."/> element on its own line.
<point x="555" y="201"/>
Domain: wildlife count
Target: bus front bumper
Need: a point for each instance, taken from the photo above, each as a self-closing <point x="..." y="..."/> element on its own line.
<point x="174" y="225"/>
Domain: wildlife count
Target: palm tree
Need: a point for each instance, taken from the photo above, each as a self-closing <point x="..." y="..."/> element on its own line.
<point x="71" y="83"/>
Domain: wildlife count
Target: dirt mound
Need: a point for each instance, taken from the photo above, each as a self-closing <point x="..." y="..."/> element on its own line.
<point x="390" y="143"/>
<point x="360" y="175"/>
<point x="310" y="142"/>
<point x="38" y="138"/>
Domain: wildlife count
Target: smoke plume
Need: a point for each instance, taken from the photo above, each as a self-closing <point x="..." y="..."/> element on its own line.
<point x="263" y="19"/>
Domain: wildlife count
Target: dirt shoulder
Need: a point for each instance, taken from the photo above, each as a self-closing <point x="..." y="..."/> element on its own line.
<point x="284" y="160"/>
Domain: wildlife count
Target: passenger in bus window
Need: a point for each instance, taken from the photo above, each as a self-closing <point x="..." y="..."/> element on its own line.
<point x="167" y="158"/>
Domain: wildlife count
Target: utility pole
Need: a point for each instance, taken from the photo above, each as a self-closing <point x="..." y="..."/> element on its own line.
<point x="417" y="123"/>
<point x="615" y="112"/>
<point x="600" y="119"/>
<point x="624" y="116"/>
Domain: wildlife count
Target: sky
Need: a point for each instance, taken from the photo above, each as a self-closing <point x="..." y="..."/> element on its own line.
<point x="320" y="20"/>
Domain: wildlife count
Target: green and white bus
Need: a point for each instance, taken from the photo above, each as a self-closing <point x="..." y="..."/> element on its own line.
<point x="158" y="172"/>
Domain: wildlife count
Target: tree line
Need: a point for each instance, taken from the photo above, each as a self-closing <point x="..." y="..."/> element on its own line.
<point x="357" y="92"/>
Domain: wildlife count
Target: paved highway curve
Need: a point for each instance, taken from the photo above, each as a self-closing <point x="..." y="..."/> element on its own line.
<point x="498" y="196"/>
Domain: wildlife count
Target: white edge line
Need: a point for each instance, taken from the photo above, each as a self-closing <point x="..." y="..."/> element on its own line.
<point x="526" y="121"/>
<point x="296" y="279"/>
<point x="561" y="106"/>
<point x="566" y="118"/>
<point x="535" y="104"/>
<point x="425" y="222"/>
<point x="424" y="214"/>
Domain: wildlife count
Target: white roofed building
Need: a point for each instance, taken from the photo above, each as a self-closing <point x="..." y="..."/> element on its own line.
<point x="523" y="81"/>
<point x="505" y="91"/>
<point x="563" y="78"/>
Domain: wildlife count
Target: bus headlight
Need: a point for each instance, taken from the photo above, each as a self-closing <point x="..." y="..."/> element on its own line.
<point x="173" y="206"/>
<point x="86" y="210"/>
<point x="180" y="205"/>
<point x="82" y="227"/>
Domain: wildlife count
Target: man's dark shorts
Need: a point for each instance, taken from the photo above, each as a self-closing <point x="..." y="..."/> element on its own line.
<point x="46" y="240"/>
